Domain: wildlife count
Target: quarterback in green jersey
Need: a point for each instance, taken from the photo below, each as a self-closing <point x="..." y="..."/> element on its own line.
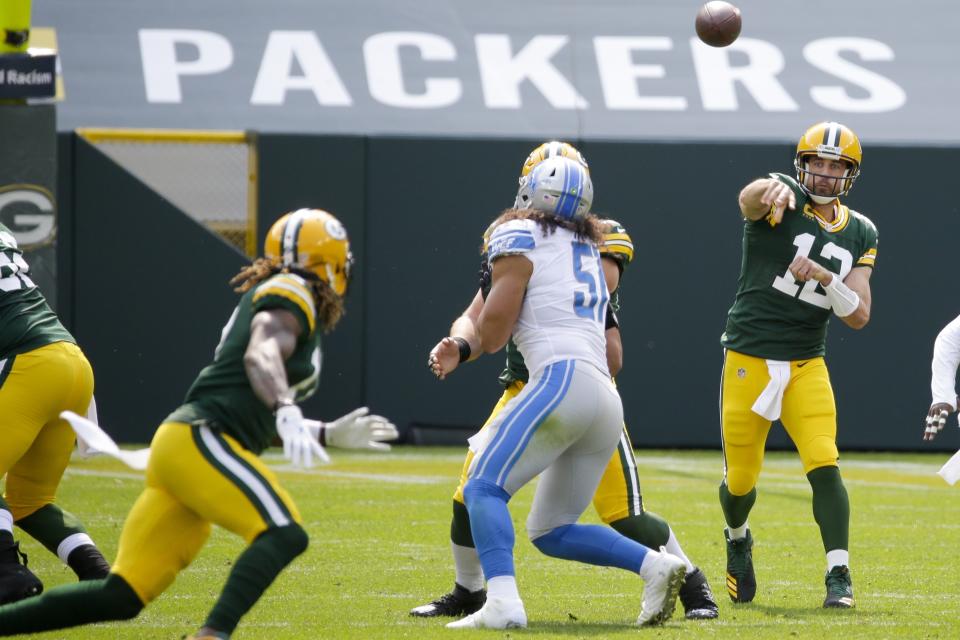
<point x="204" y="466"/>
<point x="42" y="372"/>
<point x="805" y="256"/>
<point x="617" y="500"/>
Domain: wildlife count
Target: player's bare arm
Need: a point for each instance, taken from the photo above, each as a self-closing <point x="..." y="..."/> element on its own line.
<point x="857" y="282"/>
<point x="764" y="195"/>
<point x="446" y="354"/>
<point x="611" y="272"/>
<point x="614" y="350"/>
<point x="502" y="308"/>
<point x="273" y="338"/>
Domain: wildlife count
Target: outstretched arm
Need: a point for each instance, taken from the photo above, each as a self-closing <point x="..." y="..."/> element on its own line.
<point x="445" y="355"/>
<point x="766" y="195"/>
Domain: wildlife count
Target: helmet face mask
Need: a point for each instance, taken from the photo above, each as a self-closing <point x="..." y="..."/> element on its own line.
<point x="314" y="243"/>
<point x="829" y="141"/>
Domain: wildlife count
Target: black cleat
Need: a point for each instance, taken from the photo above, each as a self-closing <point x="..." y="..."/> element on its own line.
<point x="839" y="589"/>
<point x="741" y="581"/>
<point x="457" y="603"/>
<point x="697" y="598"/>
<point x="16" y="581"/>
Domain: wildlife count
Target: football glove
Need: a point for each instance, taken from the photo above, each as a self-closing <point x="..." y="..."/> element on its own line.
<point x="358" y="430"/>
<point x="299" y="444"/>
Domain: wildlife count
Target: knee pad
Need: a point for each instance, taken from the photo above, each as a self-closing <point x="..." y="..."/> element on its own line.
<point x="477" y="488"/>
<point x="548" y="542"/>
<point x="740" y="481"/>
<point x="819" y="452"/>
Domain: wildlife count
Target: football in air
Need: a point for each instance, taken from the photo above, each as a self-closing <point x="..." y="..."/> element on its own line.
<point x="718" y="23"/>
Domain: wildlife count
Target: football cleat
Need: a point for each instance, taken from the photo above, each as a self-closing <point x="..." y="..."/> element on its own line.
<point x="313" y="241"/>
<point x="660" y="591"/>
<point x="496" y="613"/>
<point x="741" y="580"/>
<point x="16" y="581"/>
<point x="839" y="589"/>
<point x="458" y="602"/>
<point x="697" y="597"/>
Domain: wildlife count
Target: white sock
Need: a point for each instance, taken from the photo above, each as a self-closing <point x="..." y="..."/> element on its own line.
<point x="673" y="547"/>
<point x="503" y="587"/>
<point x="648" y="560"/>
<point x="738" y="533"/>
<point x="838" y="558"/>
<point x="467" y="566"/>
<point x="6" y="521"/>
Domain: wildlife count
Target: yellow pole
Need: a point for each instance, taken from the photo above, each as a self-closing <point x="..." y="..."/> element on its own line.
<point x="15" y="23"/>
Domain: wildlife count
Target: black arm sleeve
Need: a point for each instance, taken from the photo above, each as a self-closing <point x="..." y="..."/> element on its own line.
<point x="612" y="321"/>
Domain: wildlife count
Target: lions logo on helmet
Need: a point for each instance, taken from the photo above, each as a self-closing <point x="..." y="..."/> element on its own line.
<point x="552" y="149"/>
<point x="313" y="241"/>
<point x="560" y="186"/>
<point x="831" y="141"/>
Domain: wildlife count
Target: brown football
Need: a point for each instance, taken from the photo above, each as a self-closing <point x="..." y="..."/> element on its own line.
<point x="718" y="23"/>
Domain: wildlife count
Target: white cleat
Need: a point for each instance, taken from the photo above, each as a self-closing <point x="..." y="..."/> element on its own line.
<point x="661" y="588"/>
<point x="497" y="613"/>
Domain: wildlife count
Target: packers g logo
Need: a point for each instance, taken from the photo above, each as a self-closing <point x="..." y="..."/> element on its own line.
<point x="28" y="211"/>
<point x="335" y="229"/>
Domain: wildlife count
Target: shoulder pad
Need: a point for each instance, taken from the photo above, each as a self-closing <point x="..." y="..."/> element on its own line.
<point x="512" y="237"/>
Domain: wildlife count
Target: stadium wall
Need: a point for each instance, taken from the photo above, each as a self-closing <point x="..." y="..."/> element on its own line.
<point x="144" y="287"/>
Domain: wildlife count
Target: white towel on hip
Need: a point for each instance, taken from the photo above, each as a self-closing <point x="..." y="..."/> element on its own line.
<point x="950" y="471"/>
<point x="769" y="403"/>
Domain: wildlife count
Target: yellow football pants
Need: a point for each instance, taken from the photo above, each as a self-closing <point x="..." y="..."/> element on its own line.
<point x="195" y="477"/>
<point x="34" y="388"/>
<point x="618" y="494"/>
<point x="809" y="415"/>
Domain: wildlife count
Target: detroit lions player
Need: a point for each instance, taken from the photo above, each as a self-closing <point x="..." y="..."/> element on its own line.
<point x="549" y="292"/>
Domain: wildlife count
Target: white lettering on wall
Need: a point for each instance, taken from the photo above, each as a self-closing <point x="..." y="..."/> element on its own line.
<point x="161" y="68"/>
<point x="381" y="55"/>
<point x="276" y="78"/>
<point x="502" y="72"/>
<point x="882" y="93"/>
<point x="619" y="73"/>
<point x="718" y="78"/>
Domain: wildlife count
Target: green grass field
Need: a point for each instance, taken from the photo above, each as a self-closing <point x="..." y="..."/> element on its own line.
<point x="379" y="527"/>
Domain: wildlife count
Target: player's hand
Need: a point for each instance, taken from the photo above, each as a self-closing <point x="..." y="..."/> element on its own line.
<point x="779" y="197"/>
<point x="444" y="358"/>
<point x="299" y="445"/>
<point x="804" y="269"/>
<point x="936" y="419"/>
<point x="358" y="430"/>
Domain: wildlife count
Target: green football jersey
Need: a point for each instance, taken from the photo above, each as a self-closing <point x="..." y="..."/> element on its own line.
<point x="619" y="247"/>
<point x="26" y="320"/>
<point x="221" y="397"/>
<point x="774" y="316"/>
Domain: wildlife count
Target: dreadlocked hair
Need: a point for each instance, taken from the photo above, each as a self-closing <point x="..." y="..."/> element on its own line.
<point x="329" y="304"/>
<point x="588" y="227"/>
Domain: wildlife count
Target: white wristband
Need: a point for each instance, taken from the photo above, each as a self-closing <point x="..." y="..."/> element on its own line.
<point x="843" y="299"/>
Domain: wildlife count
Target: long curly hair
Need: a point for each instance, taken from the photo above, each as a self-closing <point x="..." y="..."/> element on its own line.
<point x="588" y="227"/>
<point x="329" y="304"/>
